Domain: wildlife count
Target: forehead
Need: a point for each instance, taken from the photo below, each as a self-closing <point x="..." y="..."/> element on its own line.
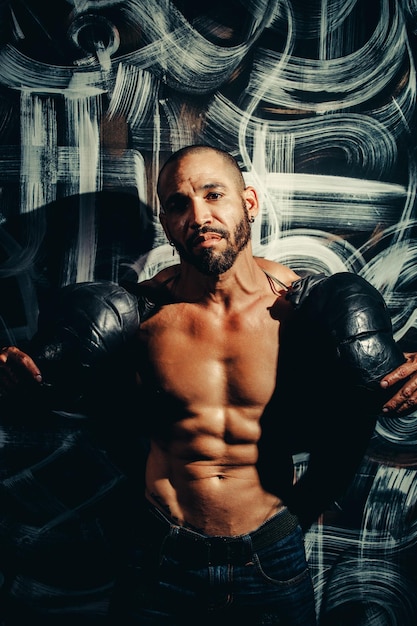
<point x="195" y="170"/>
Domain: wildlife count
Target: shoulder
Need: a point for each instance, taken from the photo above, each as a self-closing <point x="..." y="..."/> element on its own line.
<point x="156" y="288"/>
<point x="154" y="292"/>
<point x="161" y="280"/>
<point x="345" y="289"/>
<point x="283" y="273"/>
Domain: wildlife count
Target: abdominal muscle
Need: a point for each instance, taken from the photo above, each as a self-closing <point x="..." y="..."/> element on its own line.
<point x="217" y="492"/>
<point x="202" y="465"/>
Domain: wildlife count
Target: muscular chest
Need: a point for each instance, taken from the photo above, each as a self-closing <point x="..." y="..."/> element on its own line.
<point x="199" y="357"/>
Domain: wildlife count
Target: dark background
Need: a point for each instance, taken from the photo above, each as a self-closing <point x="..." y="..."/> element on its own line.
<point x="316" y="99"/>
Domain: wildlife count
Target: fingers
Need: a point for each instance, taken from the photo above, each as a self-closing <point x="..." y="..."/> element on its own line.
<point x="404" y="401"/>
<point x="401" y="372"/>
<point x="16" y="367"/>
<point x="16" y="358"/>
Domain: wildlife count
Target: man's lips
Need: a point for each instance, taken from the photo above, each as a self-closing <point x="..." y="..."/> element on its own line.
<point x="205" y="239"/>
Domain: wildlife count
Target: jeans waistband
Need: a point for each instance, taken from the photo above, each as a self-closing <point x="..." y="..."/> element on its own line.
<point x="193" y="548"/>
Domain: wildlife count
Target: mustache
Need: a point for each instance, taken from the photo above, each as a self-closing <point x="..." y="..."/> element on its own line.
<point x="202" y="231"/>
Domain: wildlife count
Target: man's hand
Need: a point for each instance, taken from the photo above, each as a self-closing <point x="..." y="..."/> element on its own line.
<point x="404" y="401"/>
<point x="16" y="367"/>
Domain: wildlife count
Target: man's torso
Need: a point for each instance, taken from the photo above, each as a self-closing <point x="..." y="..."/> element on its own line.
<point x="212" y="372"/>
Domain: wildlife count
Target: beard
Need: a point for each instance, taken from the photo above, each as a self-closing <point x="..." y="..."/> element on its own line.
<point x="210" y="262"/>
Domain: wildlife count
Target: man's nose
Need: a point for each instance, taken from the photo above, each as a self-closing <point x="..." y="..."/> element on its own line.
<point x="200" y="213"/>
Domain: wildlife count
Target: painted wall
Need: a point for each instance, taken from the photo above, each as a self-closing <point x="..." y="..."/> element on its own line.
<point x="317" y="100"/>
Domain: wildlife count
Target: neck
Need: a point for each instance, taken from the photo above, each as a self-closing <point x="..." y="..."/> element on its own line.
<point x="240" y="280"/>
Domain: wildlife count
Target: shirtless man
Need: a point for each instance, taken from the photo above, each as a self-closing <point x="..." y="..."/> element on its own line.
<point x="214" y="543"/>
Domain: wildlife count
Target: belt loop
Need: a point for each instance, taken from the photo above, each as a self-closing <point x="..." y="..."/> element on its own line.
<point x="248" y="543"/>
<point x="173" y="532"/>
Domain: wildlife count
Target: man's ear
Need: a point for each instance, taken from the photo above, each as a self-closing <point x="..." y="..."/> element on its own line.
<point x="163" y="221"/>
<point x="251" y="200"/>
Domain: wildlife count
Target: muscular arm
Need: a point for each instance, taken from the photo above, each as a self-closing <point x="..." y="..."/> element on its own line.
<point x="80" y="346"/>
<point x="344" y="332"/>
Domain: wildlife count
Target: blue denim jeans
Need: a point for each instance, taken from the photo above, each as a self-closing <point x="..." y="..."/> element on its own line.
<point x="166" y="587"/>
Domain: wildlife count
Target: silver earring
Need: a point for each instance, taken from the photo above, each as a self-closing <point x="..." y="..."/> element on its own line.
<point x="171" y="243"/>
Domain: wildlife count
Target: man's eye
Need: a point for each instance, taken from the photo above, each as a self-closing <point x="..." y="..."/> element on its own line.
<point x="176" y="207"/>
<point x="214" y="195"/>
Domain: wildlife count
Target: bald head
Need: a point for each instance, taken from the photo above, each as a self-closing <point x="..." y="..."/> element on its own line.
<point x="198" y="149"/>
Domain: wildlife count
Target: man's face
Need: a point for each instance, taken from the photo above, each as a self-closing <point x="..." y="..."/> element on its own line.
<point x="205" y="213"/>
